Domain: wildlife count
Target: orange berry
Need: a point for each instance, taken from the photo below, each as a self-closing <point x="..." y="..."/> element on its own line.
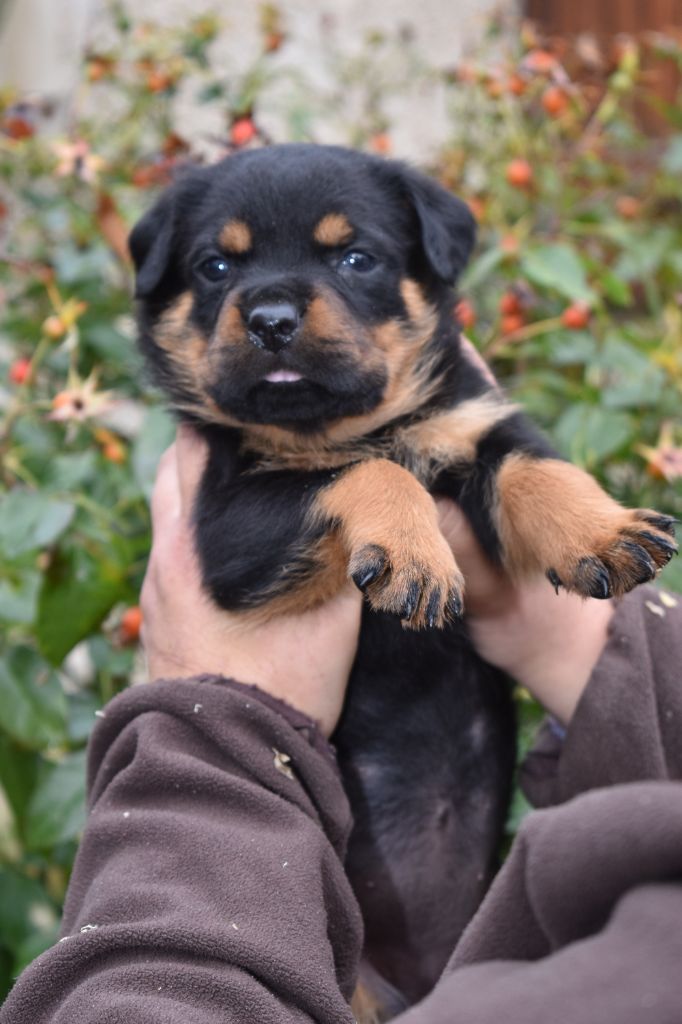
<point x="510" y="245"/>
<point x="512" y="322"/>
<point x="381" y="143"/>
<point x="494" y="88"/>
<point x="131" y="623"/>
<point x="242" y="131"/>
<point x="554" y="100"/>
<point x="516" y="85"/>
<point x="519" y="173"/>
<point x="629" y="207"/>
<point x="477" y="207"/>
<point x="158" y="81"/>
<point x="509" y="304"/>
<point x="18" y="128"/>
<point x="540" y="62"/>
<point x="113" y="451"/>
<point x="465" y="313"/>
<point x="576" y="316"/>
<point x="54" y="327"/>
<point x="20" y="371"/>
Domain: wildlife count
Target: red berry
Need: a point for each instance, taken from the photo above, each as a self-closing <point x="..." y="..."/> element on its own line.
<point x="509" y="304"/>
<point x="554" y="100"/>
<point x="20" y="371"/>
<point x="511" y="323"/>
<point x="131" y="623"/>
<point x="519" y="173"/>
<point x="242" y="131"/>
<point x="576" y="316"/>
<point x="466" y="314"/>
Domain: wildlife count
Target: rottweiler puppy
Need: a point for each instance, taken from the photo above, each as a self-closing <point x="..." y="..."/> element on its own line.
<point x="295" y="304"/>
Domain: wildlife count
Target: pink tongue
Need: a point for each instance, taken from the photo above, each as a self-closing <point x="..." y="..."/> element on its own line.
<point x="282" y="376"/>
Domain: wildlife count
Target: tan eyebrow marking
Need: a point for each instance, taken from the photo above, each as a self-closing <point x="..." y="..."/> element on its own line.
<point x="333" y="229"/>
<point x="236" y="236"/>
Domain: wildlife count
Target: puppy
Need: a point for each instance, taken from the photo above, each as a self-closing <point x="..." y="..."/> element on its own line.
<point x="295" y="304"/>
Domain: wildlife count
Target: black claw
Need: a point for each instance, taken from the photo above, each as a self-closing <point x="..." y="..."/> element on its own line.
<point x="667" y="547"/>
<point x="661" y="522"/>
<point x="554" y="578"/>
<point x="372" y="567"/>
<point x="411" y="601"/>
<point x="432" y="609"/>
<point x="454" y="605"/>
<point x="595" y="576"/>
<point x="643" y="561"/>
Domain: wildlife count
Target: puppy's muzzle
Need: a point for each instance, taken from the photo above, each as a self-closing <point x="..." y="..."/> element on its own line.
<point x="273" y="326"/>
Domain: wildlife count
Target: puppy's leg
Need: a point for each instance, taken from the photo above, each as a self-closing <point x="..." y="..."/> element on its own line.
<point x="536" y="513"/>
<point x="387" y="523"/>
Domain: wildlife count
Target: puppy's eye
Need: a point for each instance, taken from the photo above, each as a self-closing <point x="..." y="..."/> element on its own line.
<point x="358" y="261"/>
<point x="215" y="269"/>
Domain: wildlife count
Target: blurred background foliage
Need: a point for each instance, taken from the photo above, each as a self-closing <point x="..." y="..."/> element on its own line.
<point x="574" y="295"/>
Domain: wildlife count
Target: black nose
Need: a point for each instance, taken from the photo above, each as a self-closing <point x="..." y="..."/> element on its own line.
<point x="272" y="326"/>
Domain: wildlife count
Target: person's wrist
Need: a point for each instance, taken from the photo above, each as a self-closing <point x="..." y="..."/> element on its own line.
<point x="549" y="644"/>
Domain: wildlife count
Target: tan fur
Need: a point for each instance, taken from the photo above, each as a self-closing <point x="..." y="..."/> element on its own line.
<point x="235" y="237"/>
<point x="181" y="341"/>
<point x="334" y="229"/>
<point x="552" y="515"/>
<point x="364" y="1006"/>
<point x="449" y="437"/>
<point x="378" y="503"/>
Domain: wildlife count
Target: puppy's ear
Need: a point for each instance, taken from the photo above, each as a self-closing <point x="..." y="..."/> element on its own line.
<point x="448" y="229"/>
<point x="152" y="241"/>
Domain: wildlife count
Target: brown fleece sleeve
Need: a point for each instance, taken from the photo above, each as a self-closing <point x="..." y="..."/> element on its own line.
<point x="209" y="884"/>
<point x="582" y="924"/>
<point x="628" y="723"/>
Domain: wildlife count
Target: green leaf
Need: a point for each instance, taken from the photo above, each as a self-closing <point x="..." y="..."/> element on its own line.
<point x="480" y="268"/>
<point x="32" y="701"/>
<point x="672" y="158"/>
<point x="572" y="348"/>
<point x="56" y="811"/>
<point x="586" y="434"/>
<point x="157" y="433"/>
<point x="19" y="597"/>
<point x="31" y="520"/>
<point x="78" y="592"/>
<point x="614" y="288"/>
<point x="628" y="379"/>
<point x="18" y="770"/>
<point x="72" y="471"/>
<point x="26" y="907"/>
<point x="558" y="267"/>
<point x="671" y="577"/>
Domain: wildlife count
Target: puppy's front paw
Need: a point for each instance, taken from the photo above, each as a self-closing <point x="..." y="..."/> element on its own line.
<point x="553" y="517"/>
<point x="637" y="550"/>
<point x="423" y="586"/>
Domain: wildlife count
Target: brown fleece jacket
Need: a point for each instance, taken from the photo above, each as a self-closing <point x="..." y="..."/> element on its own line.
<point x="209" y="886"/>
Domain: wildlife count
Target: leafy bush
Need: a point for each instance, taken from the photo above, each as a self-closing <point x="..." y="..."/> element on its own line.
<point x="574" y="295"/>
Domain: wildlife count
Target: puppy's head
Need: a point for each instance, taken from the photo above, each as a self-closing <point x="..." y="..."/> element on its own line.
<point x="298" y="287"/>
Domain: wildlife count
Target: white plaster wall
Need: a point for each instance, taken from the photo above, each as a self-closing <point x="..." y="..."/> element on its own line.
<point x="40" y="41"/>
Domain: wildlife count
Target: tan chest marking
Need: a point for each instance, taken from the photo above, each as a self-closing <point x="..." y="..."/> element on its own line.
<point x="450" y="437"/>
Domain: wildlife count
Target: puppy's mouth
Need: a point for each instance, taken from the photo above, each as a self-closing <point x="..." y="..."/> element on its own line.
<point x="283" y="377"/>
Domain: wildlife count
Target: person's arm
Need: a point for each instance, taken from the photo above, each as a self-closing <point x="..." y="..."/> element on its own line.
<point x="209" y="884"/>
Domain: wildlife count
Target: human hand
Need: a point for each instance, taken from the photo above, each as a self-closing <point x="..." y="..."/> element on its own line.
<point x="304" y="659"/>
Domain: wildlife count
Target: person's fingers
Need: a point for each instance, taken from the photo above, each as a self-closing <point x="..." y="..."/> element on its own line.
<point x="192" y="452"/>
<point x="165" y="503"/>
